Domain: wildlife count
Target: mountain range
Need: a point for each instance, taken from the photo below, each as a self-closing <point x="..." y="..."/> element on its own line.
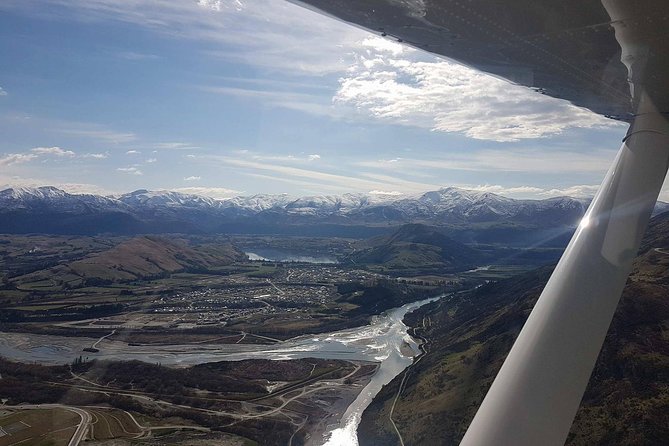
<point x="51" y="210"/>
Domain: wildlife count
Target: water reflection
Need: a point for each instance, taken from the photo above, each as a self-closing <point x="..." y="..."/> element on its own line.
<point x="275" y="255"/>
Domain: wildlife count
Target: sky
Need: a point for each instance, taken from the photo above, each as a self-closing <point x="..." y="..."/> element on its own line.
<point x="240" y="97"/>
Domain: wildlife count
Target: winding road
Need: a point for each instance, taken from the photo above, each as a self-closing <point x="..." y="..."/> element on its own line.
<point x="102" y="338"/>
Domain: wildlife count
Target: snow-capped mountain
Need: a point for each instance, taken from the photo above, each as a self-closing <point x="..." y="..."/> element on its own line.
<point x="171" y="199"/>
<point x="49" y="197"/>
<point x="257" y="203"/>
<point x="331" y="204"/>
<point x="48" y="209"/>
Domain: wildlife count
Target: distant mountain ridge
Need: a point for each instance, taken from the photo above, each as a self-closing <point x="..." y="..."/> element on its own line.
<point x="51" y="210"/>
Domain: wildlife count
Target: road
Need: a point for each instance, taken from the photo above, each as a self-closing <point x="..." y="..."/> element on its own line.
<point x="276" y="287"/>
<point x="103" y="337"/>
<point x="80" y="433"/>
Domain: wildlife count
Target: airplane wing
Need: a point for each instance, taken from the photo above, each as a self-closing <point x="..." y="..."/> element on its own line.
<point x="610" y="57"/>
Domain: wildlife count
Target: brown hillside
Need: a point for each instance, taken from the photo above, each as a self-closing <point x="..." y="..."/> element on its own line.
<point x="138" y="258"/>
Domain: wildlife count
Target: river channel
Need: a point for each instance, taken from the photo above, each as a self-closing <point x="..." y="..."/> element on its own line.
<point x="385" y="341"/>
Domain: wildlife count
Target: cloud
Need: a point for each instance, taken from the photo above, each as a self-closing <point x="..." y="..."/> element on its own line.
<point x="312" y="177"/>
<point x="306" y="187"/>
<point x="83" y="188"/>
<point x="99" y="156"/>
<point x="3" y="92"/>
<point x="131" y="55"/>
<point x="286" y="159"/>
<point x="174" y="146"/>
<point x="72" y="188"/>
<point x="269" y="34"/>
<point x="509" y="160"/>
<point x="218" y="193"/>
<point x="506" y="191"/>
<point x="579" y="191"/>
<point x="59" y="127"/>
<point x="96" y="132"/>
<point x="305" y="102"/>
<point x="133" y="152"/>
<point x="151" y="160"/>
<point x="383" y="193"/>
<point x="534" y="192"/>
<point x="56" y="151"/>
<point x="130" y="170"/>
<point x="193" y="178"/>
<point x="16" y="158"/>
<point x="218" y="5"/>
<point x="404" y="87"/>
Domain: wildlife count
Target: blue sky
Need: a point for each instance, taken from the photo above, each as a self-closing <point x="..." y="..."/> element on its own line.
<point x="242" y="97"/>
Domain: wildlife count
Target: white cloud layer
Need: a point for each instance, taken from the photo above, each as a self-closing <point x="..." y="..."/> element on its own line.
<point x="392" y="193"/>
<point x="16" y="158"/>
<point x="389" y="83"/>
<point x="99" y="156"/>
<point x="130" y="170"/>
<point x="55" y="151"/>
<point x="218" y="5"/>
<point x="72" y="188"/>
<point x="98" y="133"/>
<point x="218" y="193"/>
<point x="578" y="191"/>
<point x="537" y="160"/>
<point x="131" y="55"/>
